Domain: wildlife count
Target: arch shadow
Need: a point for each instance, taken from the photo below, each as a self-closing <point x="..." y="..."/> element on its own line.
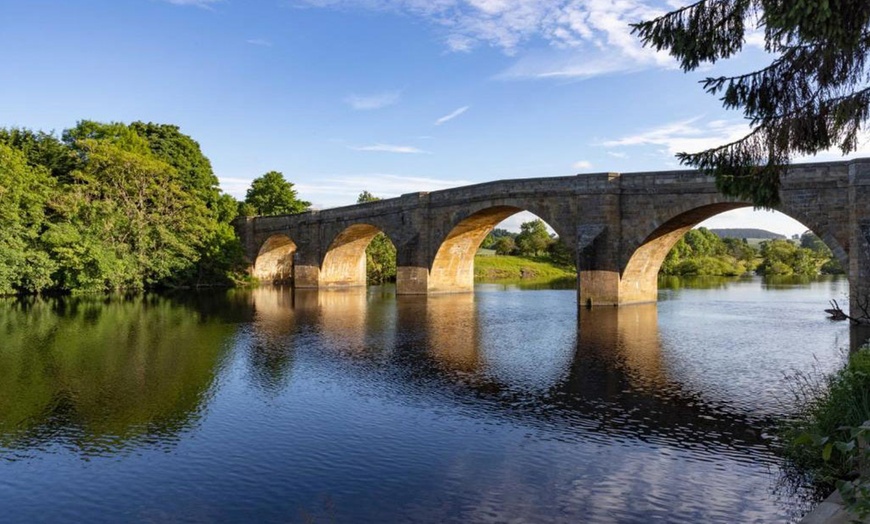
<point x="452" y="267"/>
<point x="344" y="264"/>
<point x="274" y="262"/>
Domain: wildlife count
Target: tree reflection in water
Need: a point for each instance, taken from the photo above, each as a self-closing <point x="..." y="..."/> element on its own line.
<point x="100" y="374"/>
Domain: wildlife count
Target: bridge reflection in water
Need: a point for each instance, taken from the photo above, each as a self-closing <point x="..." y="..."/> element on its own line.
<point x="603" y="371"/>
<point x="130" y="368"/>
<point x="513" y="401"/>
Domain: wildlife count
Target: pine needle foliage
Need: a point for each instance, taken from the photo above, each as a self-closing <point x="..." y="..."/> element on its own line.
<point x="812" y="97"/>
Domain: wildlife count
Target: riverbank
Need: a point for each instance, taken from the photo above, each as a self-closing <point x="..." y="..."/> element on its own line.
<point x="509" y="267"/>
<point x="832" y="511"/>
<point x="827" y="442"/>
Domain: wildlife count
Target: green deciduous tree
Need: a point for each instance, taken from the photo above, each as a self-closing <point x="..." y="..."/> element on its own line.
<point x="504" y="245"/>
<point x="830" y="266"/>
<point x="704" y="242"/>
<point x="560" y="254"/>
<point x="271" y="194"/>
<point x="783" y="257"/>
<point x="43" y="150"/>
<point x="126" y="222"/>
<point x="24" y="192"/>
<point x="380" y="260"/>
<point x="111" y="206"/>
<point x="533" y="238"/>
<point x="365" y="196"/>
<point x="811" y="241"/>
<point x="814" y="95"/>
<point x="219" y="254"/>
<point x="702" y="252"/>
<point x="169" y="144"/>
<point x="490" y="239"/>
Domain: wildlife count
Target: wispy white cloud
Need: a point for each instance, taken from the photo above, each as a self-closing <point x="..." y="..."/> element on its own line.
<point x="689" y="135"/>
<point x="203" y="4"/>
<point x="390" y="148"/>
<point x="451" y="116"/>
<point x="582" y="164"/>
<point x="374" y="101"/>
<point x="693" y="135"/>
<point x="577" y="65"/>
<point x="583" y="38"/>
<point x="259" y="42"/>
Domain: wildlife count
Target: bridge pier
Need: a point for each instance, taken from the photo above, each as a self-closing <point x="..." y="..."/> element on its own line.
<point x="859" y="253"/>
<point x="598" y="288"/>
<point x="306" y="276"/>
<point x="608" y="288"/>
<point x="412" y="280"/>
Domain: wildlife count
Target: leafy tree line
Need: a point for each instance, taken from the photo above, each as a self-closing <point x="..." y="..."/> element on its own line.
<point x="112" y="206"/>
<point x="702" y="252"/>
<point x="533" y="240"/>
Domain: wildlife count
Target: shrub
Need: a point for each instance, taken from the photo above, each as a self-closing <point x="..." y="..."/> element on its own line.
<point x="827" y="441"/>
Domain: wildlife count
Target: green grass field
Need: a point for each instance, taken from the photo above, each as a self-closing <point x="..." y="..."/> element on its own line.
<point x="499" y="268"/>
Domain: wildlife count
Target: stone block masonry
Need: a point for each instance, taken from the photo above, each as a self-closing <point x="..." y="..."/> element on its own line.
<point x="620" y="227"/>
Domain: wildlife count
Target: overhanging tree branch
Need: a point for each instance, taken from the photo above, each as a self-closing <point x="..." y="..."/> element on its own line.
<point x="812" y="97"/>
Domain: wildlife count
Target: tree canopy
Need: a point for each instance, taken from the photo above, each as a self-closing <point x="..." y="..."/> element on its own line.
<point x="111" y="206"/>
<point x="813" y="96"/>
<point x="533" y="238"/>
<point x="365" y="196"/>
<point x="702" y="252"/>
<point x="25" y="191"/>
<point x="272" y="194"/>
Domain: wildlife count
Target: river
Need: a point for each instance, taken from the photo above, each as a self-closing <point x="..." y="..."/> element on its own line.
<point x="508" y="405"/>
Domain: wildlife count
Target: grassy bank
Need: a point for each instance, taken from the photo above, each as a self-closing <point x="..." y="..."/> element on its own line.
<point x="506" y="267"/>
<point x="828" y="441"/>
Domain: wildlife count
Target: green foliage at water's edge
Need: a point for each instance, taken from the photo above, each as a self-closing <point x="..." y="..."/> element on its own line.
<point x="827" y="441"/>
<point x="112" y="206"/>
<point x="700" y="252"/>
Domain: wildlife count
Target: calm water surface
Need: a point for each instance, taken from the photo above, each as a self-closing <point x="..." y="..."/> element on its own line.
<point x="504" y="406"/>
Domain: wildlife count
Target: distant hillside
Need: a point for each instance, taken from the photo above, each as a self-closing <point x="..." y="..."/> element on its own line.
<point x="746" y="233"/>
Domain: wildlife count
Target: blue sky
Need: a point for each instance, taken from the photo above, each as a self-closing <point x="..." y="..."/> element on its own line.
<point x="389" y="96"/>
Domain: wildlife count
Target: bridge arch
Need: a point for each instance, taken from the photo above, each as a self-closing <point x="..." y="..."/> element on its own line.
<point x="639" y="278"/>
<point x="274" y="262"/>
<point x="344" y="264"/>
<point x="452" y="267"/>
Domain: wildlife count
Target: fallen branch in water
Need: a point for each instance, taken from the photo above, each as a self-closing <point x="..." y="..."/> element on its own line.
<point x="837" y="313"/>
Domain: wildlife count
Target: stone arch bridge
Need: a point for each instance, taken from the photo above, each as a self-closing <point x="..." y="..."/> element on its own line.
<point x="620" y="226"/>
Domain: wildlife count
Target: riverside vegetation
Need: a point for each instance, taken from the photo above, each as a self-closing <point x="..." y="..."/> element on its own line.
<point x="827" y="442"/>
<point x="111" y="206"/>
<point x="702" y="252"/>
<point x="533" y="253"/>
